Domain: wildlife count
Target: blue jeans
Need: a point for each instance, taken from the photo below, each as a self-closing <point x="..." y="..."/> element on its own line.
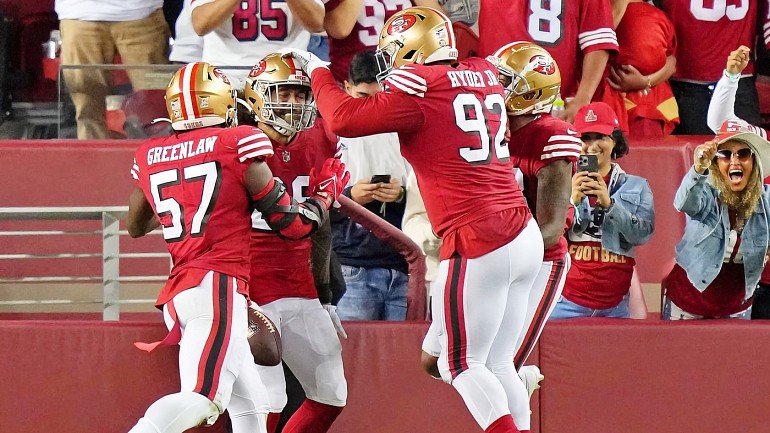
<point x="373" y="294"/>
<point x="319" y="45"/>
<point x="569" y="310"/>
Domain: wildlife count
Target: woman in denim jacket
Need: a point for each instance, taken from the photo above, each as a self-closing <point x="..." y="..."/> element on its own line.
<point x="724" y="248"/>
<point x="614" y="213"/>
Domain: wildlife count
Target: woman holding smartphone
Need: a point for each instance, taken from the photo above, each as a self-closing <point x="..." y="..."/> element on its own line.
<point x="613" y="214"/>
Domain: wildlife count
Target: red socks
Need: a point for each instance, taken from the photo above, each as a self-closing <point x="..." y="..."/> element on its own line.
<point x="504" y="424"/>
<point x="313" y="417"/>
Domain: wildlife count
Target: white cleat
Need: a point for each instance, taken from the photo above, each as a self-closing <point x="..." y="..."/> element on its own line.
<point x="530" y="375"/>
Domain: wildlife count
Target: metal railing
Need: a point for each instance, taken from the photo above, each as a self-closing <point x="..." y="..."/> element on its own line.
<point x="110" y="253"/>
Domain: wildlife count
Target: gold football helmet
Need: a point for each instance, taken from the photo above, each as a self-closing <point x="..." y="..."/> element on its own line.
<point x="530" y="76"/>
<point x="415" y="35"/>
<point x="200" y="95"/>
<point x="278" y="93"/>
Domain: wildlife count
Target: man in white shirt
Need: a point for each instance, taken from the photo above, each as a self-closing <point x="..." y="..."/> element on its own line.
<point x="93" y="31"/>
<point x="242" y="32"/>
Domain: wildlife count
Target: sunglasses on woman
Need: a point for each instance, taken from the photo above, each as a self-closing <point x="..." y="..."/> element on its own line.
<point x="743" y="155"/>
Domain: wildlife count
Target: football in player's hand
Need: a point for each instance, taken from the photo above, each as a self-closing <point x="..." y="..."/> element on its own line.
<point x="264" y="339"/>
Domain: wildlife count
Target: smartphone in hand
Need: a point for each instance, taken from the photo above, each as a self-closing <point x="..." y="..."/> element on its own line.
<point x="589" y="163"/>
<point x="380" y="178"/>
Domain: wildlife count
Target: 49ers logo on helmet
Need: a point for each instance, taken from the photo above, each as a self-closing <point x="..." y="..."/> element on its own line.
<point x="217" y="73"/>
<point x="258" y="69"/>
<point x="543" y="65"/>
<point x="401" y="24"/>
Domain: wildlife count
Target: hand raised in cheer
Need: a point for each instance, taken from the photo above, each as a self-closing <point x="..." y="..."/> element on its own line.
<point x="738" y="60"/>
<point x="703" y="155"/>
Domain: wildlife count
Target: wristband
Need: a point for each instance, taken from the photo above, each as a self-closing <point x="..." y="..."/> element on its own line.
<point x="732" y="77"/>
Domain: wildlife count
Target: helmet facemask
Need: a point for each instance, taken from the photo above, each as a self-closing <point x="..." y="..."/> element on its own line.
<point x="386" y="58"/>
<point x="286" y="117"/>
<point x="279" y="94"/>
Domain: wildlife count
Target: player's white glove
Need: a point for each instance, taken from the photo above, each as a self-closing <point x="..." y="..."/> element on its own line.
<point x="306" y="60"/>
<point x="332" y="310"/>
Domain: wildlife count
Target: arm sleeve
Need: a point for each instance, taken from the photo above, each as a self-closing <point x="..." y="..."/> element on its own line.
<point x="692" y="196"/>
<point x="634" y="228"/>
<point x="358" y="117"/>
<point x="722" y="105"/>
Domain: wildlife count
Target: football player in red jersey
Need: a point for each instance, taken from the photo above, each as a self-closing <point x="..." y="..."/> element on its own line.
<point x="579" y="34"/>
<point x="544" y="150"/>
<point x="201" y="185"/>
<point x="281" y="101"/>
<point x="450" y="118"/>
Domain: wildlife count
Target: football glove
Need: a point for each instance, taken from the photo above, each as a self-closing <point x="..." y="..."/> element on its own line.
<point x="306" y="60"/>
<point x="332" y="310"/>
<point x="328" y="183"/>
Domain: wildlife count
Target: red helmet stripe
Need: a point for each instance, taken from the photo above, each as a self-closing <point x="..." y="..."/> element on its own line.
<point x="194" y="101"/>
<point x="449" y="32"/>
<point x="290" y="62"/>
<point x="182" y="101"/>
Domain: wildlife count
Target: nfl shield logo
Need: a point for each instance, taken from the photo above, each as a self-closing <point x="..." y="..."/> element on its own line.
<point x="286" y="156"/>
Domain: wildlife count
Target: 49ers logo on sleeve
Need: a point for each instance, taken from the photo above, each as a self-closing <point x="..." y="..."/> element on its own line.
<point x="217" y="73"/>
<point x="258" y="69"/>
<point x="543" y="65"/>
<point x="402" y="24"/>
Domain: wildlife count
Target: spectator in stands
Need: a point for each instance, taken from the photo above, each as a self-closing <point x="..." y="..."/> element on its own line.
<point x="375" y="272"/>
<point x="637" y="86"/>
<point x="614" y="213"/>
<point x="721" y="109"/>
<point x="235" y="32"/>
<point x="705" y="36"/>
<point x="93" y="31"/>
<point x="579" y="35"/>
<point x="417" y="226"/>
<point x="353" y="27"/>
<point x="724" y="248"/>
<point x="188" y="46"/>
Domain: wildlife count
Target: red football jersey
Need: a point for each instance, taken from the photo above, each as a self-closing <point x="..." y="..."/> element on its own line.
<point x="451" y="123"/>
<point x="566" y="28"/>
<point x="365" y="34"/>
<point x="707" y="31"/>
<point x="597" y="279"/>
<point x="533" y="147"/>
<point x="280" y="268"/>
<point x="194" y="182"/>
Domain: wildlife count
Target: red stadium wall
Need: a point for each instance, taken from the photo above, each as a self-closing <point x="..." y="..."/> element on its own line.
<point x="72" y="173"/>
<point x="602" y="375"/>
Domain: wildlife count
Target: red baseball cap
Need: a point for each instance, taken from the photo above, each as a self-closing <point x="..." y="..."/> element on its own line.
<point x="596" y="117"/>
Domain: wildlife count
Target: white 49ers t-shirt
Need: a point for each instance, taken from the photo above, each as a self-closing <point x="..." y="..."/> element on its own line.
<point x="256" y="29"/>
